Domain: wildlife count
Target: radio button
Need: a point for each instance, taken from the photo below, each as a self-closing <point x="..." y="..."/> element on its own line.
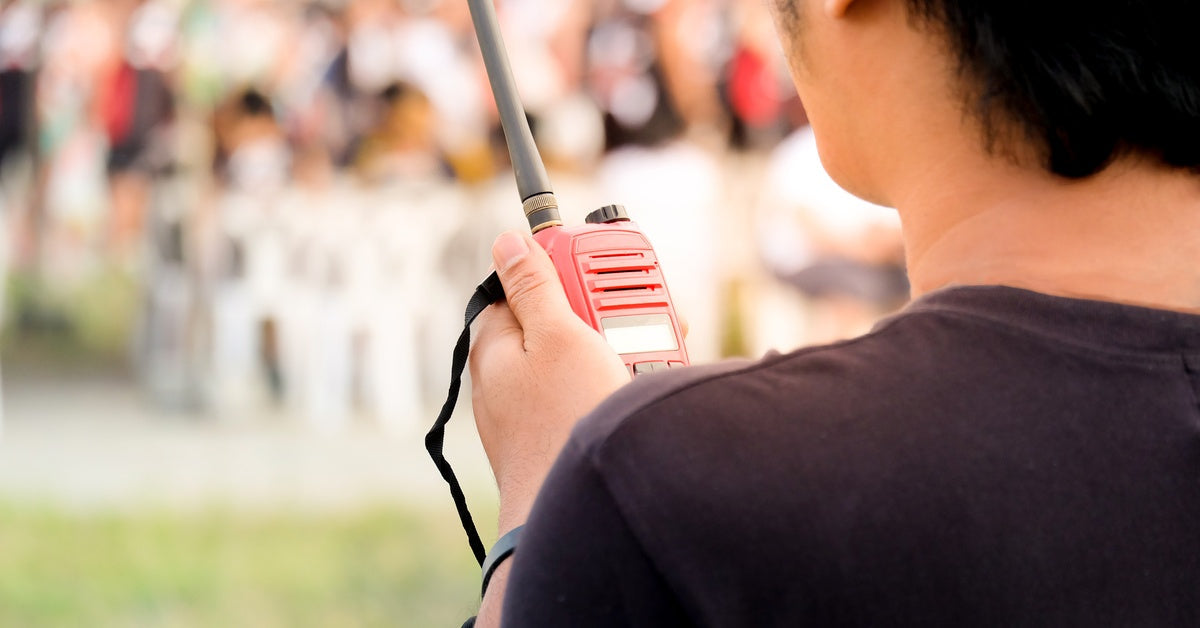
<point x="607" y="214"/>
<point x="642" y="368"/>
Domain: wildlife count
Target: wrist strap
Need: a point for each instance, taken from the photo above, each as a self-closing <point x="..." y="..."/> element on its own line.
<point x="487" y="293"/>
<point x="504" y="547"/>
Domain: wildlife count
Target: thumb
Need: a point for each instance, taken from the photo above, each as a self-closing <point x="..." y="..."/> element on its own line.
<point x="531" y="284"/>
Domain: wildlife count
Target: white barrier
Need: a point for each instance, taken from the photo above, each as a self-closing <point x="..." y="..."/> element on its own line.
<point x="365" y="287"/>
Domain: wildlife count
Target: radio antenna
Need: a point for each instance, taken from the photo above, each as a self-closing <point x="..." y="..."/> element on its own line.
<point x="537" y="197"/>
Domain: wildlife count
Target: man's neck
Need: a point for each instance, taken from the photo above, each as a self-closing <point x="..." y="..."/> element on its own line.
<point x="1130" y="234"/>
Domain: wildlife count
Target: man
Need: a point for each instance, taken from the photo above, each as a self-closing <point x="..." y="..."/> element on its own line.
<point x="1021" y="446"/>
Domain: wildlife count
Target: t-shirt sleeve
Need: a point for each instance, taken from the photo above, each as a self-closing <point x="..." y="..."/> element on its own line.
<point x="579" y="564"/>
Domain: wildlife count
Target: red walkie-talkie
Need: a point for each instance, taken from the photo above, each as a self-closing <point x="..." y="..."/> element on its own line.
<point x="607" y="267"/>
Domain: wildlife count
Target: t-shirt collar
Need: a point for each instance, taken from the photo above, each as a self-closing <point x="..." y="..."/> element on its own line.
<point x="1084" y="321"/>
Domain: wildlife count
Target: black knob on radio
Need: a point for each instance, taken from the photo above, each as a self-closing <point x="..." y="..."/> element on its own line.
<point x="607" y="214"/>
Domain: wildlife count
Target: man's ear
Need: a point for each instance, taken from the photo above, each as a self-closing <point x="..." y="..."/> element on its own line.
<point x="836" y="9"/>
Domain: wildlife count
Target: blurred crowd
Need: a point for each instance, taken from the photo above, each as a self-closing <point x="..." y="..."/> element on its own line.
<point x="304" y="193"/>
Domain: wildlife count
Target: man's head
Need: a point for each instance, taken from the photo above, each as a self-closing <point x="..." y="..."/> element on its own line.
<point x="1065" y="84"/>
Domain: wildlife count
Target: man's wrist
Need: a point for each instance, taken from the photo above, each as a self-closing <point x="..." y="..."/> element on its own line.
<point x="513" y="513"/>
<point x="518" y="491"/>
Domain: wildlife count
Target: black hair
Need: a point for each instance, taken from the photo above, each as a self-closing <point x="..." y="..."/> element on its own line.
<point x="397" y="91"/>
<point x="1087" y="80"/>
<point x="253" y="103"/>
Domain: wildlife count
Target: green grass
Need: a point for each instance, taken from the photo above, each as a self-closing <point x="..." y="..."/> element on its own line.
<point x="380" y="568"/>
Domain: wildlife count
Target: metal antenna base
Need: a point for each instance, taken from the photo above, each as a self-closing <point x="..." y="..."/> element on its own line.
<point x="541" y="210"/>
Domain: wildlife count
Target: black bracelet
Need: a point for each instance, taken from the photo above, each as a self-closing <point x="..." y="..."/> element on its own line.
<point x="504" y="547"/>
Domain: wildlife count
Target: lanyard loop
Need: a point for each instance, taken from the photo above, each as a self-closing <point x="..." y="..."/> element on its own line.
<point x="487" y="293"/>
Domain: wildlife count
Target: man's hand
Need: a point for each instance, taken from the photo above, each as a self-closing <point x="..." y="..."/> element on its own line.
<point x="536" y="369"/>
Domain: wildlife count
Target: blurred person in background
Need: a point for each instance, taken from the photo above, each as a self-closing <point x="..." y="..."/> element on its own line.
<point x="389" y="42"/>
<point x="69" y="212"/>
<point x="755" y="85"/>
<point x="253" y="160"/>
<point x="252" y="153"/>
<point x="316" y="96"/>
<point x="625" y="57"/>
<point x="1017" y="447"/>
<point x="136" y="106"/>
<point x="403" y="144"/>
<point x="20" y="22"/>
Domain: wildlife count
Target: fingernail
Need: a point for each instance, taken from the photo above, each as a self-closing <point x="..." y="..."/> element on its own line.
<point x="509" y="248"/>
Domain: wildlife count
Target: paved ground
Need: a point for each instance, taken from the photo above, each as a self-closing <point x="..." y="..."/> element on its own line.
<point x="94" y="442"/>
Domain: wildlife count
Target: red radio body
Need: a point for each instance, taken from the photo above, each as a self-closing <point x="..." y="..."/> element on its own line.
<point x="615" y="284"/>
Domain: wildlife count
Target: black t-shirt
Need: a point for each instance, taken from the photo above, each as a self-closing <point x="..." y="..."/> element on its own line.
<point x="990" y="456"/>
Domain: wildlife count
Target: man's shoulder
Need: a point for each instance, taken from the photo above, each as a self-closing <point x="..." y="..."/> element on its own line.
<point x="783" y="438"/>
<point x="941" y="355"/>
<point x="906" y="398"/>
<point x="813" y="384"/>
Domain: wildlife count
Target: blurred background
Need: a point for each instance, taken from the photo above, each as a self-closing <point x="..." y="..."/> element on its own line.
<point x="236" y="240"/>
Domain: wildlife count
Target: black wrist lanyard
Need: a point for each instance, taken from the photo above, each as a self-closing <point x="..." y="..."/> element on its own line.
<point x="487" y="293"/>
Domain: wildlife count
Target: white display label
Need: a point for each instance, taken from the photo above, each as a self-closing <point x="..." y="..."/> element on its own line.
<point x="640" y="334"/>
